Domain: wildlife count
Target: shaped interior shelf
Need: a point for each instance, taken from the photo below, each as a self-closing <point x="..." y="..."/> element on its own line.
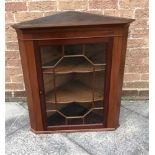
<point x="74" y="112"/>
<point x="74" y="91"/>
<point x="72" y="64"/>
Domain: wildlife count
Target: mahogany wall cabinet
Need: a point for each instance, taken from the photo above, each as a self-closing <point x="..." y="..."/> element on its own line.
<point x="73" y="66"/>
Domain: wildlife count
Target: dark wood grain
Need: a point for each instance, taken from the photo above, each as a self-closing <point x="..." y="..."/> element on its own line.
<point x="73" y="28"/>
<point x="32" y="84"/>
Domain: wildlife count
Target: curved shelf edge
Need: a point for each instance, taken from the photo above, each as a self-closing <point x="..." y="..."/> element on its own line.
<point x="77" y="101"/>
<point x="71" y="72"/>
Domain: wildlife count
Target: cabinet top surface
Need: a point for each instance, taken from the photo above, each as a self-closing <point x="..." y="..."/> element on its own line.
<point x="71" y="19"/>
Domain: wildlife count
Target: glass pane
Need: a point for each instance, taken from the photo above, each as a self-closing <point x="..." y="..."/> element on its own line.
<point x="96" y="52"/>
<point x="74" y="109"/>
<point x="75" y="121"/>
<point x="54" y="119"/>
<point x="73" y="64"/>
<point x="73" y="49"/>
<point x="95" y="116"/>
<point x="74" y="89"/>
<point x="50" y="55"/>
<point x="74" y="77"/>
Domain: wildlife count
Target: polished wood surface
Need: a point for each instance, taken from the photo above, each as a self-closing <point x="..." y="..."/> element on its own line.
<point x="76" y="28"/>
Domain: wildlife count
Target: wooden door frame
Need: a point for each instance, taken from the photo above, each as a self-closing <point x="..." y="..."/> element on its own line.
<point x="37" y="44"/>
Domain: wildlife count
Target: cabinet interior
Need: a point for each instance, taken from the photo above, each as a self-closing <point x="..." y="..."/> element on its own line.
<point x="73" y="77"/>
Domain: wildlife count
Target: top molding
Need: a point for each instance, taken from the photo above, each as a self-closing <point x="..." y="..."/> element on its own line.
<point x="71" y="19"/>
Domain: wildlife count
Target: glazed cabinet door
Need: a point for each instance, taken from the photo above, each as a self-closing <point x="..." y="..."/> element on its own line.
<point x="74" y="80"/>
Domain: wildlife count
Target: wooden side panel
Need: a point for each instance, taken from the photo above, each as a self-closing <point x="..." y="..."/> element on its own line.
<point x="31" y="84"/>
<point x="116" y="80"/>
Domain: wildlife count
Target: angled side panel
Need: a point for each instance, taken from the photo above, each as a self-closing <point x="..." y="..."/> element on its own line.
<point x="31" y="83"/>
<point x="116" y="79"/>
